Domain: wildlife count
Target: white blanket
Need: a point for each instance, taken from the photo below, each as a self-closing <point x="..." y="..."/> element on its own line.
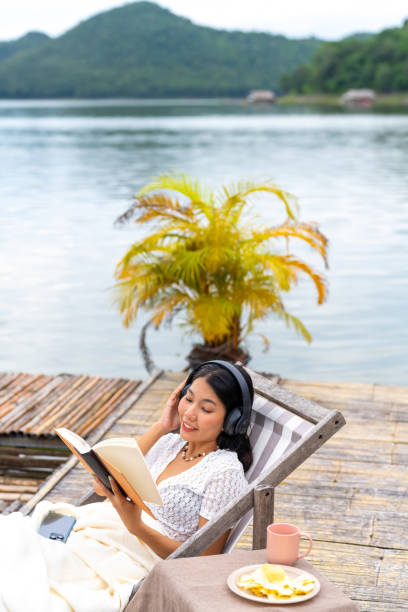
<point x="94" y="571"/>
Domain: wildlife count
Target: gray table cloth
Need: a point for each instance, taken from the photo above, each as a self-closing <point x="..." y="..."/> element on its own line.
<point x="199" y="584"/>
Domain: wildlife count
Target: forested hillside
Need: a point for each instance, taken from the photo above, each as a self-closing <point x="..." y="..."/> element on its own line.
<point x="379" y="62"/>
<point x="143" y="50"/>
<point x="32" y="40"/>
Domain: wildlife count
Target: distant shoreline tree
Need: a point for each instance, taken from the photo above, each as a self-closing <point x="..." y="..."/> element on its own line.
<point x="378" y="62"/>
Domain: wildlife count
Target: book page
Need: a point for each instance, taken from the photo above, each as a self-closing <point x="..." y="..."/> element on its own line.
<point x="126" y="456"/>
<point x="74" y="439"/>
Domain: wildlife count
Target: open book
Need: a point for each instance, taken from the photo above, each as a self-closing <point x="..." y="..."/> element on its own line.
<point x="120" y="458"/>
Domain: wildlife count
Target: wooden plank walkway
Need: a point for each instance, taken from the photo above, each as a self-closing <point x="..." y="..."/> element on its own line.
<point x="351" y="495"/>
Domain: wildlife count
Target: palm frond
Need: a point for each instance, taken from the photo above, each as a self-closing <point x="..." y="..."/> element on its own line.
<point x="161" y="206"/>
<point x="269" y="263"/>
<point x="266" y="341"/>
<point x="127" y="216"/>
<point x="188" y="266"/>
<point x="290" y="320"/>
<point x="231" y="197"/>
<point x="234" y="190"/>
<point x="181" y="183"/>
<point x="157" y="206"/>
<point x="308" y="232"/>
<point x="289" y="200"/>
<point x="297" y="324"/>
<point x="235" y="196"/>
<point x="128" y="301"/>
<point x="317" y="278"/>
<point x="168" y="307"/>
<point x="145" y="252"/>
<point x="261" y="301"/>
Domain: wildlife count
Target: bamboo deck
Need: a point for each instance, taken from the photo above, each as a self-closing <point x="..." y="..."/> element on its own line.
<point x="31" y="405"/>
<point x="351" y="495"/>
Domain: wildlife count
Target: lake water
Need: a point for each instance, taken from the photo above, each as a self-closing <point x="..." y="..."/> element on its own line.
<point x="68" y="169"/>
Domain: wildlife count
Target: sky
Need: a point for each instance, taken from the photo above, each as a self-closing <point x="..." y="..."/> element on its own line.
<point x="294" y="18"/>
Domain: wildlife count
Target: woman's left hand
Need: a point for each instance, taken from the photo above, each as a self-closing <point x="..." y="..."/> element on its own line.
<point x="170" y="418"/>
<point x="129" y="512"/>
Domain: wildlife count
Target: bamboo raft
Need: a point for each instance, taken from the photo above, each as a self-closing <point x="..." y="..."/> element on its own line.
<point x="35" y="404"/>
<point x="31" y="406"/>
<point x="351" y="495"/>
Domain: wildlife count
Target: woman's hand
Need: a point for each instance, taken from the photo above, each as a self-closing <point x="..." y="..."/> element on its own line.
<point x="99" y="487"/>
<point x="129" y="512"/>
<point x="170" y="419"/>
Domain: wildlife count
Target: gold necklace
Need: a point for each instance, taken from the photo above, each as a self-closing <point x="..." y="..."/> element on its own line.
<point x="185" y="449"/>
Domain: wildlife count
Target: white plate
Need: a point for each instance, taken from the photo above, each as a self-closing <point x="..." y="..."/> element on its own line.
<point x="290" y="571"/>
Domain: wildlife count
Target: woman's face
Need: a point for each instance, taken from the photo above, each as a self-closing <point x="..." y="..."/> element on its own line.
<point x="201" y="413"/>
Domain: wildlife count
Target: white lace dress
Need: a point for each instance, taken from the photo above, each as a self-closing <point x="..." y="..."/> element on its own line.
<point x="202" y="490"/>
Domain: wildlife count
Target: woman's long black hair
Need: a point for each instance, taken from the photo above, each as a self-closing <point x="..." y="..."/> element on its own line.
<point x="227" y="389"/>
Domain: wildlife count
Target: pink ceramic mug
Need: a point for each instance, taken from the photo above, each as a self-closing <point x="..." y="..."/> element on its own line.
<point x="282" y="544"/>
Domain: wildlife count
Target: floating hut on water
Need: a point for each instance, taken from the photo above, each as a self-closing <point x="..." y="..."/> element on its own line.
<point x="261" y="96"/>
<point x="358" y="97"/>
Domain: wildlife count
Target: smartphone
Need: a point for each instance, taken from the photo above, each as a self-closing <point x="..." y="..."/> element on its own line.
<point x="56" y="526"/>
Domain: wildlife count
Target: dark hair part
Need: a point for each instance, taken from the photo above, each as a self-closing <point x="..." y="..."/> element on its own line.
<point x="227" y="389"/>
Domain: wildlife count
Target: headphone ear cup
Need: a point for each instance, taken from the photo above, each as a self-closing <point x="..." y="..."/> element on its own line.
<point x="184" y="390"/>
<point x="231" y="421"/>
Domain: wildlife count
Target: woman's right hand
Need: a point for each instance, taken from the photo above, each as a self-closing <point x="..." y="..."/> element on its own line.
<point x="170" y="419"/>
<point x="99" y="487"/>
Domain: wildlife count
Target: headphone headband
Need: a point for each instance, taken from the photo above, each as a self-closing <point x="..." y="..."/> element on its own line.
<point x="236" y="422"/>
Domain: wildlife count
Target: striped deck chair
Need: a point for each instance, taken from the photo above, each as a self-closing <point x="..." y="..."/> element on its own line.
<point x="273" y="432"/>
<point x="285" y="430"/>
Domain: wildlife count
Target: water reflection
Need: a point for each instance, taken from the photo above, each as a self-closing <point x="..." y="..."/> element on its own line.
<point x="69" y="169"/>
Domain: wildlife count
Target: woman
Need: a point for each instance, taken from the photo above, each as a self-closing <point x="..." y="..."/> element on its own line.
<point x="198" y="472"/>
<point x="205" y="475"/>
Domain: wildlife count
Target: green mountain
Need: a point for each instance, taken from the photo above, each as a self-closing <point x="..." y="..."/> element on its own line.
<point x="378" y="62"/>
<point x="143" y="50"/>
<point x="31" y="40"/>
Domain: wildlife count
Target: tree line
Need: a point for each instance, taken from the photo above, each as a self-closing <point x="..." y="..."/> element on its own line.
<point x="378" y="62"/>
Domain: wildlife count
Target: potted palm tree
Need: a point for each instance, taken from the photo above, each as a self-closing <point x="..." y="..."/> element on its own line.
<point x="209" y="261"/>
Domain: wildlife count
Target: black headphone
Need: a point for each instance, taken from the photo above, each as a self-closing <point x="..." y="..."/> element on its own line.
<point x="238" y="419"/>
